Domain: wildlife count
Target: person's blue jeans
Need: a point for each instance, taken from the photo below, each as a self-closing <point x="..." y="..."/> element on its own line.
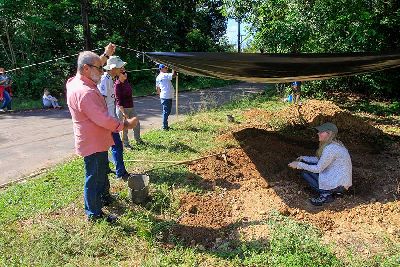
<point x="95" y="179"/>
<point x="117" y="155"/>
<point x="6" y="101"/>
<point x="166" y="106"/>
<point x="312" y="179"/>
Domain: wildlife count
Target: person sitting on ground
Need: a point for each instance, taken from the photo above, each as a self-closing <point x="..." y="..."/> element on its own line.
<point x="330" y="171"/>
<point x="125" y="107"/>
<point x="5" y="91"/>
<point x="49" y="100"/>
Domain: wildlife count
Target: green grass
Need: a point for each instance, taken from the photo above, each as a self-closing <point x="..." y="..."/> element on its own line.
<point x="42" y="221"/>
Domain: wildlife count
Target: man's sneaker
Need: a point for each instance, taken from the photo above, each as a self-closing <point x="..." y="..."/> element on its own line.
<point x="2" y="110"/>
<point x="322" y="199"/>
<point x="124" y="177"/>
<point x="140" y="142"/>
<point x="128" y="146"/>
<point x="111" y="218"/>
<point x="166" y="128"/>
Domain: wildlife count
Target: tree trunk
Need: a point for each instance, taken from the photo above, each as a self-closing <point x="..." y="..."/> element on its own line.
<point x="85" y="24"/>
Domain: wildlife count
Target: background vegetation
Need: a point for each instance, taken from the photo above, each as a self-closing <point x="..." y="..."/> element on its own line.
<point x="38" y="30"/>
<point x="325" y="26"/>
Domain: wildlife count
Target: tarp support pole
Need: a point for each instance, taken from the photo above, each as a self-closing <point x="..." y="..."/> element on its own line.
<point x="176" y="96"/>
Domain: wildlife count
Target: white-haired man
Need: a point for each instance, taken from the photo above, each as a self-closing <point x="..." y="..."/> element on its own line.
<point x="93" y="127"/>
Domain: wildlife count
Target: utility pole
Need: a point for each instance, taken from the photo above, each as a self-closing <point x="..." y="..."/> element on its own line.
<point x="239" y="37"/>
<point x="85" y="24"/>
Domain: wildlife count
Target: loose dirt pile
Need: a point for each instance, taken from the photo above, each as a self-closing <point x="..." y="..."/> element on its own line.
<point x="253" y="180"/>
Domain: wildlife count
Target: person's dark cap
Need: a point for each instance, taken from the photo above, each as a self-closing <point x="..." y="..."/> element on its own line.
<point x="328" y="126"/>
<point x="161" y="66"/>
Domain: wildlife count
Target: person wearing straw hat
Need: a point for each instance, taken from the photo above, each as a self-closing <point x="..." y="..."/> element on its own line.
<point x="92" y="128"/>
<point x="329" y="172"/>
<point x="166" y="91"/>
<point x="106" y="88"/>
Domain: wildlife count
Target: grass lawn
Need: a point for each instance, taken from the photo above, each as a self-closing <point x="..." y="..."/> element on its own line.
<point x="42" y="222"/>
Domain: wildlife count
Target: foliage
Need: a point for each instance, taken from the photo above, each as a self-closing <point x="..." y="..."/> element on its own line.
<point x="40" y="30"/>
<point x="327" y="26"/>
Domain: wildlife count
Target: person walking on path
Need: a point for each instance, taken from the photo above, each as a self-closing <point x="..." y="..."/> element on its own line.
<point x="92" y="127"/>
<point x="166" y="91"/>
<point x="330" y="171"/>
<point x="125" y="106"/>
<point x="5" y="91"/>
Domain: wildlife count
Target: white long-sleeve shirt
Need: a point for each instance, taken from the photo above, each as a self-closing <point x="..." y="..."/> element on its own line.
<point x="334" y="167"/>
<point x="106" y="88"/>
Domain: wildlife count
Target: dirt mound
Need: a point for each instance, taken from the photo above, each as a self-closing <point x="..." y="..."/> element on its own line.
<point x="253" y="179"/>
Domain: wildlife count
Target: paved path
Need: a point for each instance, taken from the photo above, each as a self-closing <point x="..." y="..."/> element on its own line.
<point x="33" y="140"/>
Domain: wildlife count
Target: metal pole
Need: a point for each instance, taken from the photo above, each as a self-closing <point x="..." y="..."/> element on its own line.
<point x="239" y="43"/>
<point x="176" y="96"/>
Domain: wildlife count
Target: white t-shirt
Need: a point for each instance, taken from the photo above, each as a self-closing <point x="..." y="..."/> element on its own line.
<point x="163" y="81"/>
<point x="106" y="88"/>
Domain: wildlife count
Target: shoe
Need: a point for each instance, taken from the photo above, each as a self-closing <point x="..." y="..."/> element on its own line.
<point x="111" y="218"/>
<point x="322" y="199"/>
<point x="124" y="177"/>
<point x="140" y="142"/>
<point x="2" y="110"/>
<point x="166" y="128"/>
<point x="128" y="146"/>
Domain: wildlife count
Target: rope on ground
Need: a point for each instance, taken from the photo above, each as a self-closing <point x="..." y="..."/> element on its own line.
<point x="176" y="162"/>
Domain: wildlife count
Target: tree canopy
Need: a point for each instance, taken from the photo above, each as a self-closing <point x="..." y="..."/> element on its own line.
<point x="38" y="30"/>
<point x="322" y="26"/>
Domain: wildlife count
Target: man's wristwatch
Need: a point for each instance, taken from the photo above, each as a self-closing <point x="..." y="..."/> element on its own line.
<point x="105" y="55"/>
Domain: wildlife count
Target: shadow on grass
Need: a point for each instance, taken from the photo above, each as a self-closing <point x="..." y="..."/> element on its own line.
<point x="288" y="242"/>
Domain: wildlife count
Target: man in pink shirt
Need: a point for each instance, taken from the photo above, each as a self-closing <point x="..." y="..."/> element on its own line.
<point x="92" y="127"/>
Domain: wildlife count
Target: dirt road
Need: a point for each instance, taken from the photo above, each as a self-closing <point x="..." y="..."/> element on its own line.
<point x="33" y="140"/>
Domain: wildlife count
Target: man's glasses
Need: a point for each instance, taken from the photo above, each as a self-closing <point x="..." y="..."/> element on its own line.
<point x="98" y="68"/>
<point x="123" y="72"/>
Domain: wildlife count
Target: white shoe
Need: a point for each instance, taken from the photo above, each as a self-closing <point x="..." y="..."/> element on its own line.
<point x="2" y="110"/>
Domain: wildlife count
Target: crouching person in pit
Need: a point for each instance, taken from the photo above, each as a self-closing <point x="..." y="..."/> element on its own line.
<point x="329" y="173"/>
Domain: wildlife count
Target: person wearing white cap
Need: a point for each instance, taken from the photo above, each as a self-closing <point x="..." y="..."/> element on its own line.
<point x="106" y="87"/>
<point x="330" y="171"/>
<point x="166" y="91"/>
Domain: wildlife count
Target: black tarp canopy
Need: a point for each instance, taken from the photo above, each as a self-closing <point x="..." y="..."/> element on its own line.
<point x="275" y="68"/>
